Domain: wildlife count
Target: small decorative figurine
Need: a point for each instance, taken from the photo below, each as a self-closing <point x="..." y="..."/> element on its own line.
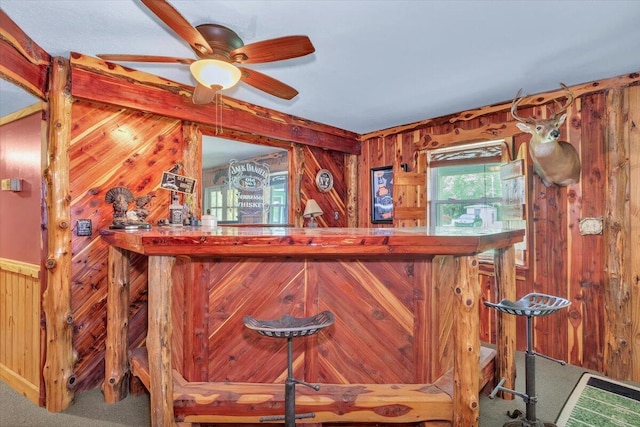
<point x="142" y="204"/>
<point x="120" y="198"/>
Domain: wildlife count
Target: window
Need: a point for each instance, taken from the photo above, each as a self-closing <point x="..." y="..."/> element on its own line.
<point x="278" y="198"/>
<point x="222" y="202"/>
<point x="465" y="189"/>
<point x="466" y="195"/>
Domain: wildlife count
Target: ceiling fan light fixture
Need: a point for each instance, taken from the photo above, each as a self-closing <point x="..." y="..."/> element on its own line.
<point x="214" y="73"/>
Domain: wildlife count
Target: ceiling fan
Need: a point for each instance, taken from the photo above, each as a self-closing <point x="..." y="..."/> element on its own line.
<point x="218" y="49"/>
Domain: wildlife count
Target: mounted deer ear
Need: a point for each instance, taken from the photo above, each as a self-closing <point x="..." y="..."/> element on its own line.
<point x="561" y="119"/>
<point x="524" y="127"/>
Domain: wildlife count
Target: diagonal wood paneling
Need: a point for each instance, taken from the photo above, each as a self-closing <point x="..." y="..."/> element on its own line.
<point x="375" y="320"/>
<point x="372" y="340"/>
<point x="111" y="147"/>
<point x="332" y="201"/>
<point x="233" y="348"/>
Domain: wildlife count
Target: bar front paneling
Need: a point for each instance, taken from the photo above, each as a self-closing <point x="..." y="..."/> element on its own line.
<point x="396" y="294"/>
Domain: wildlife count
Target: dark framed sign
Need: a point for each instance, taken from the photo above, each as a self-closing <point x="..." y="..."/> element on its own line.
<point x="382" y="195"/>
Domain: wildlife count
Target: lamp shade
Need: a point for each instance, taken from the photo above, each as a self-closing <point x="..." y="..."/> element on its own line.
<point x="213" y="72"/>
<point x="312" y="209"/>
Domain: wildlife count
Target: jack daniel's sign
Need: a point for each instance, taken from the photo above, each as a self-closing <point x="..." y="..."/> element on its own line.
<point x="251" y="179"/>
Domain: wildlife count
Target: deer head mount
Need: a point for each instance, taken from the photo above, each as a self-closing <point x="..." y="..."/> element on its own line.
<point x="556" y="162"/>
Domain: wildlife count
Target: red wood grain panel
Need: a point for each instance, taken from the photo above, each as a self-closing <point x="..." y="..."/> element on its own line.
<point x="562" y="262"/>
<point x="111" y="147"/>
<point x="594" y="196"/>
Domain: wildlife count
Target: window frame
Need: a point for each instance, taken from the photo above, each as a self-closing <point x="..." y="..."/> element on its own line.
<point x="470" y="154"/>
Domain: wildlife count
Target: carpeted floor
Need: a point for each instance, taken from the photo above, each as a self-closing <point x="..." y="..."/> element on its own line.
<point x="554" y="384"/>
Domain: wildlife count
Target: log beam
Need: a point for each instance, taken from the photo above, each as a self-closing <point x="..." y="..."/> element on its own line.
<point x="23" y="63"/>
<point x="96" y="80"/>
<point x="538" y="99"/>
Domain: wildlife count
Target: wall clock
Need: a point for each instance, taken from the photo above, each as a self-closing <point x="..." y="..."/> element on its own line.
<point x="324" y="180"/>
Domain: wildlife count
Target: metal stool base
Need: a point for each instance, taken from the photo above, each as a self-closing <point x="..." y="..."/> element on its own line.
<point x="525" y="423"/>
<point x="530" y="305"/>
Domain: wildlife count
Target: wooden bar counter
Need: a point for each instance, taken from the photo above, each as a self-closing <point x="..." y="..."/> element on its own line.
<point x="404" y="348"/>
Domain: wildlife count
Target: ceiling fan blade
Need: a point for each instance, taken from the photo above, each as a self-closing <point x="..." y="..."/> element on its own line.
<point x="179" y="24"/>
<point x="273" y="50"/>
<point x="267" y="84"/>
<point x="203" y="94"/>
<point x="144" y="58"/>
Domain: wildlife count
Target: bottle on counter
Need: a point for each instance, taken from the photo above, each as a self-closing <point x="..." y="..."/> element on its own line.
<point x="176" y="211"/>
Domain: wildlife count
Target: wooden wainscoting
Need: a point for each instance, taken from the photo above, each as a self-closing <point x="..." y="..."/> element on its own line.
<point x="20" y="327"/>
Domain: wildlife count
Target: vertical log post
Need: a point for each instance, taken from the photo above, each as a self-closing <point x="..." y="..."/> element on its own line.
<point x="296" y="168"/>
<point x="466" y="343"/>
<point x="634" y="229"/>
<point x="618" y="351"/>
<point x="159" y="341"/>
<point x="59" y="377"/>
<point x="505" y="273"/>
<point x="116" y="374"/>
<point x="192" y="164"/>
<point x="351" y="178"/>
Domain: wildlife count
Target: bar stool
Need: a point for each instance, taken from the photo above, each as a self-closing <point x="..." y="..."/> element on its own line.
<point x="290" y="327"/>
<point x="531" y="305"/>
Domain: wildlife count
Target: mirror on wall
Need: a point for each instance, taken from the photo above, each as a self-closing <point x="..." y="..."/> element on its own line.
<point x="244" y="183"/>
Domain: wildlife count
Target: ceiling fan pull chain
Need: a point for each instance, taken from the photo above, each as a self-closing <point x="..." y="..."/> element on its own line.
<point x="219" y="113"/>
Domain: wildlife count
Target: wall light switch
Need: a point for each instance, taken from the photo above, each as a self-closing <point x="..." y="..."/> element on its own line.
<point x="83" y="227"/>
<point x="16" y="184"/>
<point x="12" y="184"/>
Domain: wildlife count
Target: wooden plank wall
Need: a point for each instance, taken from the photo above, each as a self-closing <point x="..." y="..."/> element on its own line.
<point x="111" y="147"/>
<point x="391" y="319"/>
<point x="387" y="150"/>
<point x="20" y="327"/>
<point x="333" y="202"/>
<point x="593" y="271"/>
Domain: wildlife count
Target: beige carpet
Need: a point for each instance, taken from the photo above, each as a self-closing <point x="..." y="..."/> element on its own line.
<point x="554" y="385"/>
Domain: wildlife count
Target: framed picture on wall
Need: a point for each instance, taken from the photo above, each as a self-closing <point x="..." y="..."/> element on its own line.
<point x="382" y="195"/>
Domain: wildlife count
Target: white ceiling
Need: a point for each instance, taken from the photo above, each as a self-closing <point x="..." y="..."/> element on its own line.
<point x="377" y="64"/>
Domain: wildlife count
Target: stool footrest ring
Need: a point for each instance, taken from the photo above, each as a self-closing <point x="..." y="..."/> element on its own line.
<point x="282" y="417"/>
<point x="499" y="388"/>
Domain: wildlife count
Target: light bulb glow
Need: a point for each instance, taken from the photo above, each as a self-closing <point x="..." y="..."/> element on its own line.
<point x="213" y="72"/>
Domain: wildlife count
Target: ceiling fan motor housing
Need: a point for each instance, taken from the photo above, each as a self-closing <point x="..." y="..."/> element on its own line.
<point x="221" y="39"/>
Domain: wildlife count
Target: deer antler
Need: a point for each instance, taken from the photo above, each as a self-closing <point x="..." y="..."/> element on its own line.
<point x="564" y="107"/>
<point x="514" y="109"/>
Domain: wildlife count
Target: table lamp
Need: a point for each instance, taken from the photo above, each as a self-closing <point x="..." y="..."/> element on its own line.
<point x="311" y="211"/>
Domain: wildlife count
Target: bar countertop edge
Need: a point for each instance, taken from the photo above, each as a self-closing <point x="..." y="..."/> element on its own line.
<point x="289" y="241"/>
